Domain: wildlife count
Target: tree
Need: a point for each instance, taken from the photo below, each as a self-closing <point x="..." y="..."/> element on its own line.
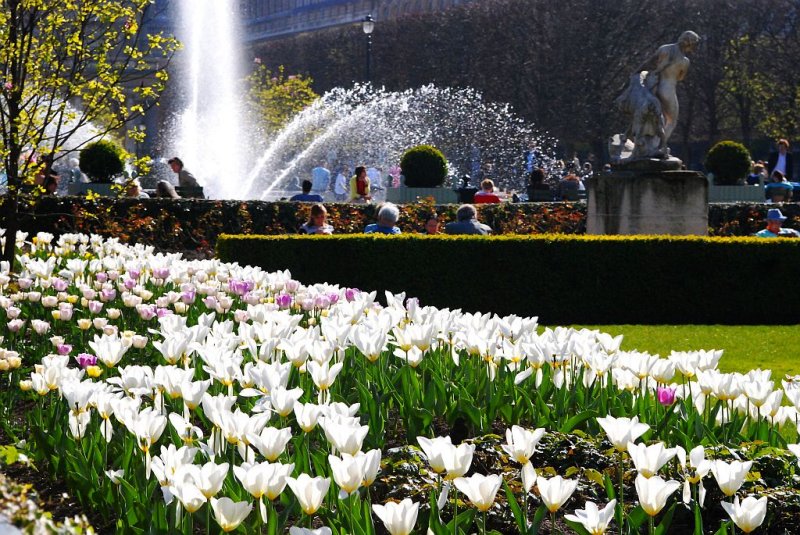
<point x="65" y="65"/>
<point x="277" y="97"/>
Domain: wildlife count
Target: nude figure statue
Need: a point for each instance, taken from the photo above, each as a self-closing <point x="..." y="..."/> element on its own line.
<point x="650" y="100"/>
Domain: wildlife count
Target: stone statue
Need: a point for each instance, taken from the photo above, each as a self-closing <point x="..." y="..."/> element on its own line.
<point x="650" y="102"/>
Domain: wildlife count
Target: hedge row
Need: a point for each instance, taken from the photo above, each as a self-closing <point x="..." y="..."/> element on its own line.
<point x="561" y="279"/>
<point x="190" y="224"/>
<point x="187" y="224"/>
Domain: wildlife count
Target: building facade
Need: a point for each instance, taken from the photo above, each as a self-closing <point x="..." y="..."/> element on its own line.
<point x="270" y="19"/>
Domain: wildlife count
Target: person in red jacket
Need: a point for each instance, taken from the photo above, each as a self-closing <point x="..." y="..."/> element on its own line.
<point x="486" y="194"/>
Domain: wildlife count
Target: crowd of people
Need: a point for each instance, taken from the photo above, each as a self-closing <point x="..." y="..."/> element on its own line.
<point x="388" y="216"/>
<point x="561" y="180"/>
<point x="55" y="180"/>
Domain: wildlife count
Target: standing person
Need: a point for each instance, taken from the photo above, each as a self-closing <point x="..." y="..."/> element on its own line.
<point x="781" y="161"/>
<point x="185" y="178"/>
<point x="359" y="186"/>
<point x="306" y="196"/>
<point x="320" y="179"/>
<point x="317" y="222"/>
<point x="340" y="187"/>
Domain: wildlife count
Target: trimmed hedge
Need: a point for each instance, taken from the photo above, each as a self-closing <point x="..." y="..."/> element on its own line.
<point x="423" y="166"/>
<point x="729" y="161"/>
<point x="561" y="279"/>
<point x="102" y="160"/>
<point x="194" y="225"/>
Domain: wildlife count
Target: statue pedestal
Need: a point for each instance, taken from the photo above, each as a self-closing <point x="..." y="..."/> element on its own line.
<point x="642" y="201"/>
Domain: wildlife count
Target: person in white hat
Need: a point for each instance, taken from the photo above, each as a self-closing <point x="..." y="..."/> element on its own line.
<point x="775" y="219"/>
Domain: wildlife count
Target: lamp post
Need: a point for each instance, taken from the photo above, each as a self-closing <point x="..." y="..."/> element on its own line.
<point x="368" y="25"/>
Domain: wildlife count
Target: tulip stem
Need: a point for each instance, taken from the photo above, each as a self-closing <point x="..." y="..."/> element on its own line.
<point x="553" y="521"/>
<point x="455" y="511"/>
<point x="621" y="493"/>
<point x="483" y="526"/>
<point x="651" y="523"/>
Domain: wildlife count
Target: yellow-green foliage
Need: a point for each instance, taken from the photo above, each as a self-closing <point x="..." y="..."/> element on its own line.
<point x="60" y="57"/>
<point x="561" y="279"/>
<point x="277" y="97"/>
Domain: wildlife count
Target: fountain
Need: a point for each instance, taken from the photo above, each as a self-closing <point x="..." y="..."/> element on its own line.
<point x="364" y="125"/>
<point x="344" y="128"/>
<point x="211" y="133"/>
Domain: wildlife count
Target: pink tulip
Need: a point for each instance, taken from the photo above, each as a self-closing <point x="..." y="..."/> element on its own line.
<point x="666" y="396"/>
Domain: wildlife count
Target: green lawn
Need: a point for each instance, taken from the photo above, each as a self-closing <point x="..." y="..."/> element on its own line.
<point x="746" y="347"/>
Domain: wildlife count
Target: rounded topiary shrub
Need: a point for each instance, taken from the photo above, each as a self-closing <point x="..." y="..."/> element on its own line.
<point x="102" y="160"/>
<point x="729" y="162"/>
<point x="423" y="166"/>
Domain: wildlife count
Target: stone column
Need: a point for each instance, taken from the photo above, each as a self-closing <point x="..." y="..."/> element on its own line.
<point x="648" y="201"/>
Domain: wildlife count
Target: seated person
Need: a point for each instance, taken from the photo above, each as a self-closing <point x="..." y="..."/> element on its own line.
<point x="387" y="220"/>
<point x="758" y="176"/>
<point x="538" y="189"/>
<point x="50" y="184"/>
<point x="165" y="190"/>
<point x="569" y="186"/>
<point x="134" y="189"/>
<point x="432" y="225"/>
<point x="360" y="186"/>
<point x="775" y="219"/>
<point x="486" y="194"/>
<point x="317" y="223"/>
<point x="467" y="222"/>
<point x="778" y="189"/>
<point x="306" y="196"/>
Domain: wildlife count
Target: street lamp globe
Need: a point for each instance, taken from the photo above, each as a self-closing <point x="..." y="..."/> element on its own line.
<point x="368" y="24"/>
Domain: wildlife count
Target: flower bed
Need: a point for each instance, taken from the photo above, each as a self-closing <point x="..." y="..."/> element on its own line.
<point x="173" y="396"/>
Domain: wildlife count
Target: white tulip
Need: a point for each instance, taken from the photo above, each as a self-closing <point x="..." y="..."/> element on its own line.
<point x="307" y="415"/>
<point x="458" y="460"/>
<point x="398" y="518"/>
<point x="229" y="514"/>
<point x="521" y="443"/>
<point x="310" y="491"/>
<point x="593" y="519"/>
<point x="371" y="462"/>
<point x="730" y="477"/>
<point x="653" y="493"/>
<point x="648" y="460"/>
<point x="348" y="472"/>
<point x="749" y="514"/>
<point x="294" y="530"/>
<point x="620" y="431"/>
<point x="435" y="450"/>
<point x="481" y="490"/>
<point x="345" y="438"/>
<point x="555" y="491"/>
<point x="189" y="495"/>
